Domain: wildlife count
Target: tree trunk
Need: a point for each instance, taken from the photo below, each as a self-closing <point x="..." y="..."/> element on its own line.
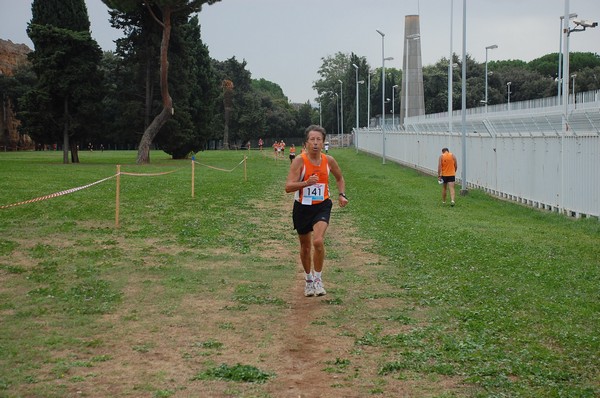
<point x="167" y="111"/>
<point x="148" y="106"/>
<point x="149" y="134"/>
<point x="75" y="153"/>
<point x="226" y="130"/>
<point x="66" y="132"/>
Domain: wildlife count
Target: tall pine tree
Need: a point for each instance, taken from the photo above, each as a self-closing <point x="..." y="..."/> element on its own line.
<point x="65" y="60"/>
<point x="166" y="8"/>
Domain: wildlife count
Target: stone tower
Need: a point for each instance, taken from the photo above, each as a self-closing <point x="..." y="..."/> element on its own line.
<point x="412" y="99"/>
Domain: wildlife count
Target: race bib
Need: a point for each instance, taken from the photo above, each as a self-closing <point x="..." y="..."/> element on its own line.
<point x="312" y="193"/>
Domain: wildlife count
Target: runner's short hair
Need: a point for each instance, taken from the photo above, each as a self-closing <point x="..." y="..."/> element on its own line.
<point x="314" y="127"/>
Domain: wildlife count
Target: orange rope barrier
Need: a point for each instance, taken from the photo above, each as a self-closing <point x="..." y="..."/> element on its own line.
<point x="216" y="168"/>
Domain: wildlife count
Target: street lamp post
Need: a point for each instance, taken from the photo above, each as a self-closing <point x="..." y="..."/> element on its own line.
<point x="508" y="94"/>
<point x="560" y="55"/>
<point x="369" y="100"/>
<point x="382" y="94"/>
<point x="357" y="103"/>
<point x="493" y="46"/>
<point x="342" y="109"/>
<point x="450" y="65"/>
<point x="357" y="107"/>
<point x="573" y="76"/>
<point x="415" y="36"/>
<point x="394" y="87"/>
<point x="463" y="114"/>
<point x="337" y="112"/>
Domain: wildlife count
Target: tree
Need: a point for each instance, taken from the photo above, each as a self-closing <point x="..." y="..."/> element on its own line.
<point x="166" y="9"/>
<point x="65" y="59"/>
<point x="306" y="117"/>
<point x="333" y="69"/>
<point x="195" y="89"/>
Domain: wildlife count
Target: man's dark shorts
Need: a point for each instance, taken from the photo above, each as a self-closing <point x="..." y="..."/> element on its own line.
<point x="305" y="216"/>
<point x="448" y="179"/>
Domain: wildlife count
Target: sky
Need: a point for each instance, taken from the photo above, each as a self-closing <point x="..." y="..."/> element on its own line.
<point x="285" y="41"/>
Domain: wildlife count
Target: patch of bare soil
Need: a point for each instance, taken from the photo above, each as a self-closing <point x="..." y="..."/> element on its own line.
<point x="152" y="350"/>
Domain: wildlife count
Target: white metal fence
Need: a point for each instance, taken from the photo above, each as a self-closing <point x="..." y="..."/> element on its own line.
<point x="519" y="154"/>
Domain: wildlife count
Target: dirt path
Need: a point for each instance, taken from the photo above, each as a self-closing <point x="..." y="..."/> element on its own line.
<point x="307" y="349"/>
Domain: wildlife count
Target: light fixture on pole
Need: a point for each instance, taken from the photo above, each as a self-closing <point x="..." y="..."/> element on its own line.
<point x="560" y="55"/>
<point x="580" y="26"/>
<point x="342" y="109"/>
<point x="394" y="87"/>
<point x="508" y="94"/>
<point x="382" y="94"/>
<point x="492" y="47"/>
<point x="415" y="36"/>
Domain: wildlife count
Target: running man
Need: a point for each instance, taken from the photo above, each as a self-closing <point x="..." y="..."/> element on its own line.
<point x="447" y="167"/>
<point x="308" y="178"/>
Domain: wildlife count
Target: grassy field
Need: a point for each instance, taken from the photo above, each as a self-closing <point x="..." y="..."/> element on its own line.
<point x="201" y="296"/>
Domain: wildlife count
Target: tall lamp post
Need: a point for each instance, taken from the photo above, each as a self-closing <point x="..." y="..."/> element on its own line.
<point x="463" y="113"/>
<point x="573" y="76"/>
<point x="493" y="46"/>
<point x="450" y="65"/>
<point x="337" y="112"/>
<point x="369" y="100"/>
<point x="357" y="105"/>
<point x="415" y="36"/>
<point x="394" y="87"/>
<point x="382" y="94"/>
<point x="342" y="109"/>
<point x="356" y="74"/>
<point x="560" y="55"/>
<point x="508" y="94"/>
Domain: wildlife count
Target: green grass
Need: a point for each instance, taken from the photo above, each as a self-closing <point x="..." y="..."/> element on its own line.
<point x="501" y="297"/>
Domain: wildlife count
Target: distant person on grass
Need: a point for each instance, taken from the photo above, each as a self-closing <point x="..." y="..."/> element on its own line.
<point x="447" y="167"/>
<point x="308" y="178"/>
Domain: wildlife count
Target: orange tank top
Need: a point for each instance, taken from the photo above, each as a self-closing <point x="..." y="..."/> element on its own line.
<point x="318" y="192"/>
<point x="448" y="169"/>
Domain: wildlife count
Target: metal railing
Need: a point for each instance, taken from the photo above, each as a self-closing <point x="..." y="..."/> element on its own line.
<point x="522" y="154"/>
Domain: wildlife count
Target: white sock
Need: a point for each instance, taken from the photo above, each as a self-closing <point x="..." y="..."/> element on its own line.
<point x="308" y="277"/>
<point x="317" y="275"/>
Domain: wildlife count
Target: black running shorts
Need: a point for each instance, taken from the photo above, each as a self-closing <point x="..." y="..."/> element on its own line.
<point x="305" y="216"/>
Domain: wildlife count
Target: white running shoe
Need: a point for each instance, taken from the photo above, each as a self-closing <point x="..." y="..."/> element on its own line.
<point x="318" y="287"/>
<point x="309" y="289"/>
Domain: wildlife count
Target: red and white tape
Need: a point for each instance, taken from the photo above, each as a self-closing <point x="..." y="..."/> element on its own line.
<point x="57" y="194"/>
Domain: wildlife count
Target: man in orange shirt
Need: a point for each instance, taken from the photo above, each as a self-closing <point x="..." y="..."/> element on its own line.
<point x="308" y="178"/>
<point x="447" y="167"/>
<point x="292" y="153"/>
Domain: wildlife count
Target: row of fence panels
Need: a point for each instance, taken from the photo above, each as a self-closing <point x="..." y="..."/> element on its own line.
<point x="553" y="171"/>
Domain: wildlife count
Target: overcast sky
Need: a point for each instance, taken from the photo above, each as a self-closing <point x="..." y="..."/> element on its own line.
<point x="284" y="41"/>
